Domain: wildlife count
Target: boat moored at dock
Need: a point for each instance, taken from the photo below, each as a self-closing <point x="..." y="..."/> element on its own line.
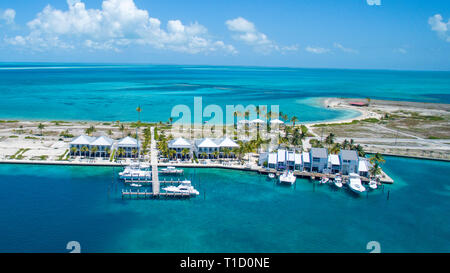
<point x="171" y="170"/>
<point x="355" y="183"/>
<point x="287" y="177"/>
<point x="186" y="189"/>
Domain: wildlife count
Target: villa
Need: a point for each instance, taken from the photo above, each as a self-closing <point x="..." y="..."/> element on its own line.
<point x="349" y="161"/>
<point x="306" y="161"/>
<point x="180" y="144"/>
<point x="101" y="146"/>
<point x="334" y="164"/>
<point x="364" y="166"/>
<point x="81" y="145"/>
<point x="226" y="144"/>
<point x="206" y="148"/>
<point x="281" y="159"/>
<point x="319" y="159"/>
<point x="129" y="145"/>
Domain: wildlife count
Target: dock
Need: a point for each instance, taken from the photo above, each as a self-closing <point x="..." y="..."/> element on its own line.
<point x="129" y="194"/>
<point x="154" y="163"/>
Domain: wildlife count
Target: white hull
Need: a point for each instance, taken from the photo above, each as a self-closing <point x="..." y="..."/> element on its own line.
<point x="182" y="189"/>
<point x="287" y="178"/>
<point x="355" y="184"/>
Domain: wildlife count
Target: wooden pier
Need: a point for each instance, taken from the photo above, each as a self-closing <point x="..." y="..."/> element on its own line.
<point x="129" y="194"/>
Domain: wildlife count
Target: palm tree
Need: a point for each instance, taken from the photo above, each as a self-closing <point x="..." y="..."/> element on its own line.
<point x="120" y="152"/>
<point x="216" y="154"/>
<point x="346" y="144"/>
<point x="41" y="127"/>
<point x="107" y="151"/>
<point x="139" y="110"/>
<point x="294" y="119"/>
<point x="203" y="155"/>
<point x="336" y="148"/>
<point x="134" y="152"/>
<point x="360" y="150"/>
<point x="375" y="170"/>
<point x="84" y="149"/>
<point x="122" y="129"/>
<point x="172" y="153"/>
<point x="377" y="159"/>
<point x="226" y="152"/>
<point x="329" y="139"/>
<point x="74" y="150"/>
<point x="170" y="120"/>
<point x="94" y="150"/>
<point x="184" y="152"/>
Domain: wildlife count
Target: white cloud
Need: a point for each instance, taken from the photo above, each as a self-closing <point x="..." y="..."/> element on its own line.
<point x="8" y="16"/>
<point x="317" y="50"/>
<point x="345" y="49"/>
<point x="247" y="33"/>
<point x="117" y="24"/>
<point x="400" y="50"/>
<point x="440" y="27"/>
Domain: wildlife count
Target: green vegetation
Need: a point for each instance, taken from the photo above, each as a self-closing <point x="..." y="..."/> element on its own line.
<point x="43" y="157"/>
<point x="66" y="134"/>
<point x="8" y="121"/>
<point x="30" y="137"/>
<point x="13" y="136"/>
<point x="63" y="155"/>
<point x="19" y="153"/>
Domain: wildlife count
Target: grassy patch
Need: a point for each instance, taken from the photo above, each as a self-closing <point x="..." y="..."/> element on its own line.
<point x="13" y="136"/>
<point x="336" y="124"/>
<point x="63" y="155"/>
<point x="43" y="157"/>
<point x="30" y="137"/>
<point x="433" y="137"/>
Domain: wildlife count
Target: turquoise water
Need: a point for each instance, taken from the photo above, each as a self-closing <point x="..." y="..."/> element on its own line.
<point x="44" y="207"/>
<point x="112" y="92"/>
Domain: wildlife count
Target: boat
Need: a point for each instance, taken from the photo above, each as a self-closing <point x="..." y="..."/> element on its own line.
<point x="373" y="184"/>
<point x="135" y="185"/>
<point x="338" y="181"/>
<point x="287" y="177"/>
<point x="271" y="175"/>
<point x="171" y="170"/>
<point x="136" y="171"/>
<point x="324" y="180"/>
<point x="182" y="189"/>
<point x="355" y="183"/>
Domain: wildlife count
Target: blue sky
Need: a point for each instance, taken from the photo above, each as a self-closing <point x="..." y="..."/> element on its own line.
<point x="398" y="34"/>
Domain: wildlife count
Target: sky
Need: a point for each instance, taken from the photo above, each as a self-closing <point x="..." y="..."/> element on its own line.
<point x="350" y="34"/>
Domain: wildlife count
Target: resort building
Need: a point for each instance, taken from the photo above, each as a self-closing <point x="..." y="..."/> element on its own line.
<point x="306" y="162"/>
<point x="226" y="146"/>
<point x="319" y="159"/>
<point x="364" y="167"/>
<point x="272" y="161"/>
<point x="281" y="159"/>
<point x="298" y="162"/>
<point x="290" y="160"/>
<point x="206" y="148"/>
<point x="182" y="147"/>
<point x="101" y="146"/>
<point x="129" y="145"/>
<point x="334" y="164"/>
<point x="81" y="145"/>
<point x="349" y="161"/>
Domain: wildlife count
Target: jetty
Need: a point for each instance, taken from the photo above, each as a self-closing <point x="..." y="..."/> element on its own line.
<point x="154" y="163"/>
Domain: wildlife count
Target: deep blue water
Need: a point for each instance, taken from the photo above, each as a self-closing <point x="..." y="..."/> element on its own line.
<point x="112" y="92"/>
<point x="44" y="207"/>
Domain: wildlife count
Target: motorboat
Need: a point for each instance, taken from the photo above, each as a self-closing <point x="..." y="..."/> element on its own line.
<point x="338" y="181"/>
<point x="136" y="171"/>
<point x="171" y="170"/>
<point x="136" y="185"/>
<point x="271" y="175"/>
<point x="324" y="180"/>
<point x="182" y="189"/>
<point x="355" y="183"/>
<point x="287" y="177"/>
<point x="373" y="185"/>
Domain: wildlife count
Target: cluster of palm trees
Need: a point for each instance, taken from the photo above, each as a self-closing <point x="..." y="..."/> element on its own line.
<point x="86" y="151"/>
<point x="336" y="147"/>
<point x="376" y="160"/>
<point x="293" y="136"/>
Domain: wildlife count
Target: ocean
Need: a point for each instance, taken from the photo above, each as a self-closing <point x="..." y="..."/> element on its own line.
<point x="42" y="208"/>
<point x="112" y="92"/>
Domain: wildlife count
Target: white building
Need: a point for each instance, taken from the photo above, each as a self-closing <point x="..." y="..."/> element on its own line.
<point x="78" y="143"/>
<point x="129" y="145"/>
<point x="364" y="167"/>
<point x="205" y="148"/>
<point x="103" y="146"/>
<point x="334" y="164"/>
<point x="180" y="144"/>
<point x="281" y="159"/>
<point x="319" y="159"/>
<point x="298" y="162"/>
<point x="349" y="161"/>
<point x="306" y="162"/>
<point x="226" y="143"/>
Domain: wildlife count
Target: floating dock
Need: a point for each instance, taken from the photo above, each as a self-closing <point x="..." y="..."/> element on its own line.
<point x="151" y="195"/>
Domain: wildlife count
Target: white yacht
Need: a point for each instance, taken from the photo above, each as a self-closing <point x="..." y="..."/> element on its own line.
<point x="287" y="177"/>
<point x="182" y="189"/>
<point x="271" y="175"/>
<point x="136" y="185"/>
<point x="338" y="181"/>
<point x="171" y="170"/>
<point x="373" y="185"/>
<point x="136" y="171"/>
<point x="355" y="183"/>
